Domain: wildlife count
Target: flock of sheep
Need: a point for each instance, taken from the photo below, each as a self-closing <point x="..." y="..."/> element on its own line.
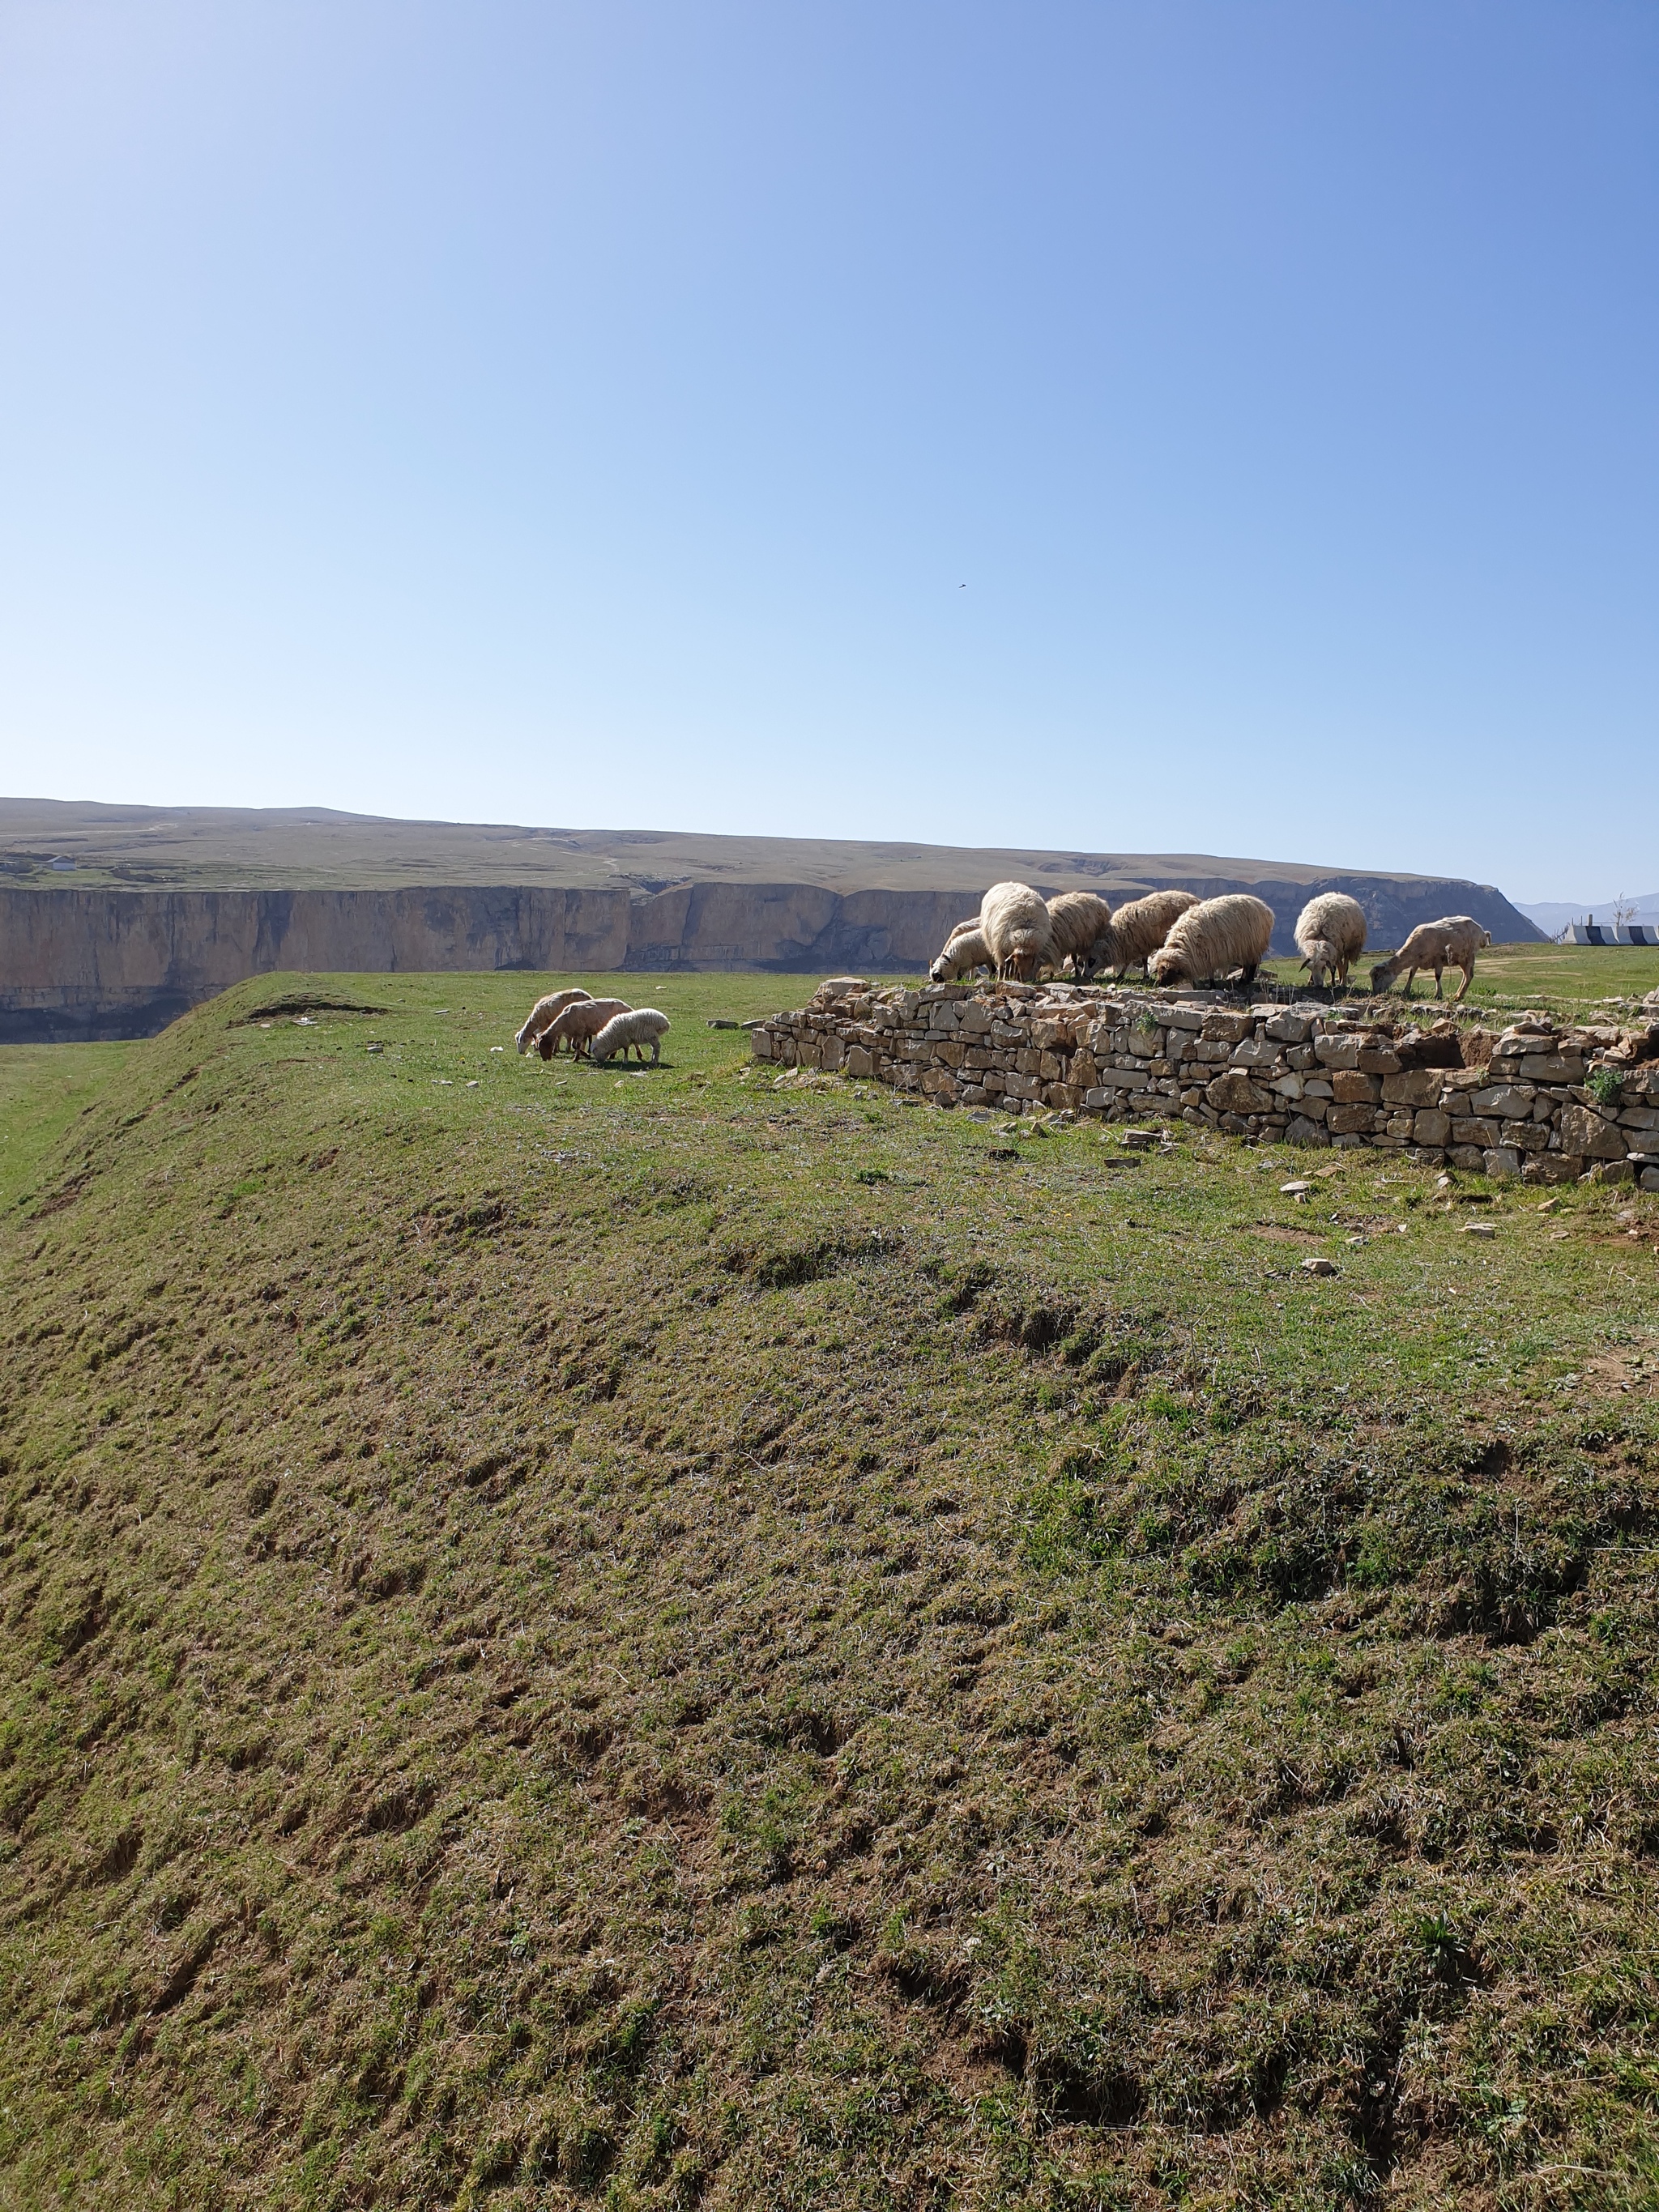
<point x="598" y="1028"/>
<point x="1177" y="938"/>
<point x="1174" y="936"/>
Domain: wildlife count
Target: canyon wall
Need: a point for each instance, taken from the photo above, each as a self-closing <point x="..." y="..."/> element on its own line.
<point x="103" y="961"/>
<point x="111" y="964"/>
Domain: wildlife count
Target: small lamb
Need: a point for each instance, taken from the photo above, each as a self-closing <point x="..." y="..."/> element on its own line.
<point x="639" y="1026"/>
<point x="1451" y="942"/>
<point x="966" y="950"/>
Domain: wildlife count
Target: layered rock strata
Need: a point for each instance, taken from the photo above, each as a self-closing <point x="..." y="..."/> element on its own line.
<point x="1543" y="1103"/>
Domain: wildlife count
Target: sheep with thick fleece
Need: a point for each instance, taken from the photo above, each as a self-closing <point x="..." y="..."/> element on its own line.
<point x="1014" y="919"/>
<point x="1077" y="921"/>
<point x="964" y="951"/>
<point x="1451" y="942"/>
<point x="1330" y="935"/>
<point x="544" y="1012"/>
<point x="1213" y="938"/>
<point x="638" y="1027"/>
<point x="579" y="1023"/>
<point x="1135" y="931"/>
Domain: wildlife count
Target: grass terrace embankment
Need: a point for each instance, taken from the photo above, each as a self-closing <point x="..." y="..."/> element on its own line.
<point x="652" y="1639"/>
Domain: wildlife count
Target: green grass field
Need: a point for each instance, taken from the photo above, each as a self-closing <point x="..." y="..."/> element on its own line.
<point x="1582" y="983"/>
<point x="573" y="1636"/>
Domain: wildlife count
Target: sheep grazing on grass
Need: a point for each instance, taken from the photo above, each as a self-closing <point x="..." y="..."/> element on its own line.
<point x="965" y="951"/>
<point x="1014" y="919"/>
<point x="1135" y="931"/>
<point x="1213" y="938"/>
<point x="1077" y="921"/>
<point x="578" y="1025"/>
<point x="544" y="1013"/>
<point x="1330" y="935"/>
<point x="639" y="1027"/>
<point x="1451" y="942"/>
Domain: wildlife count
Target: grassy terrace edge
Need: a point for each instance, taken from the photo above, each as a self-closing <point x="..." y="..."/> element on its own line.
<point x="573" y="1637"/>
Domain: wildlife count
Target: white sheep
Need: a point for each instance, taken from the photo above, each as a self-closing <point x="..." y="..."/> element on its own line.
<point x="965" y="950"/>
<point x="578" y="1024"/>
<point x="544" y="1013"/>
<point x="1077" y="921"/>
<point x="1135" y="931"/>
<point x="1014" y="919"/>
<point x="1330" y="934"/>
<point x="1452" y="942"/>
<point x="638" y="1027"/>
<point x="1213" y="938"/>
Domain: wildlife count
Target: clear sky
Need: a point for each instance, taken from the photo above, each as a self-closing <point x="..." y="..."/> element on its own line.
<point x="1144" y="425"/>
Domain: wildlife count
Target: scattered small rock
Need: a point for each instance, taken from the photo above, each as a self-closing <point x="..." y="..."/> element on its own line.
<point x="1294" y="1189"/>
<point x="1314" y="1265"/>
<point x="1479" y="1228"/>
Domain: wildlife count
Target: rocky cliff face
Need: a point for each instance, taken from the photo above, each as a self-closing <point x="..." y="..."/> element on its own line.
<point x="105" y="962"/>
<point x="804" y="929"/>
<point x="109" y="963"/>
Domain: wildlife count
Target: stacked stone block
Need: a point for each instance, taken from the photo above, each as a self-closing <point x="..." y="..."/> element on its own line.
<point x="1544" y="1104"/>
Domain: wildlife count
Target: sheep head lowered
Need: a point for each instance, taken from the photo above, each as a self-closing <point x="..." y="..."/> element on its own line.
<point x="964" y="951"/>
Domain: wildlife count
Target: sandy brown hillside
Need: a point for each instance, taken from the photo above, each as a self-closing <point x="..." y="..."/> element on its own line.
<point x="200" y="847"/>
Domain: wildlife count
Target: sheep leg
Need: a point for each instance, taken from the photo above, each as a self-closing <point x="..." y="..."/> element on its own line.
<point x="1469" y="978"/>
<point x="1436" y="979"/>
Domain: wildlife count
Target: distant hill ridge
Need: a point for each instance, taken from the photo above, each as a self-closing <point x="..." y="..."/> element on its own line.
<point x="165" y="906"/>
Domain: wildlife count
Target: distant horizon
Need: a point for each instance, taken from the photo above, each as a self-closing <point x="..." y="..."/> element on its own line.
<point x="1055" y="850"/>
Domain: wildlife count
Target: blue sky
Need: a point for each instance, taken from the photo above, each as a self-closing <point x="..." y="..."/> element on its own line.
<point x="1154" y="426"/>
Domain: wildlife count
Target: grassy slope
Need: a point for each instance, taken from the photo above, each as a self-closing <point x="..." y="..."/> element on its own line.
<point x="655" y="1637"/>
<point x="42" y="1088"/>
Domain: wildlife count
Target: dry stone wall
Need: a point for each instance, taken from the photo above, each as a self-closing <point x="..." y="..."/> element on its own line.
<point x="1539" y="1102"/>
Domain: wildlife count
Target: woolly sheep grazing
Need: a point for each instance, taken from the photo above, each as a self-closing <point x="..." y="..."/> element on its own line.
<point x="1014" y="919"/>
<point x="544" y="1012"/>
<point x="1451" y="942"/>
<point x="578" y="1024"/>
<point x="1330" y="935"/>
<point x="1136" y="930"/>
<point x="965" y="951"/>
<point x="638" y="1027"/>
<point x="1077" y="921"/>
<point x="1213" y="938"/>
